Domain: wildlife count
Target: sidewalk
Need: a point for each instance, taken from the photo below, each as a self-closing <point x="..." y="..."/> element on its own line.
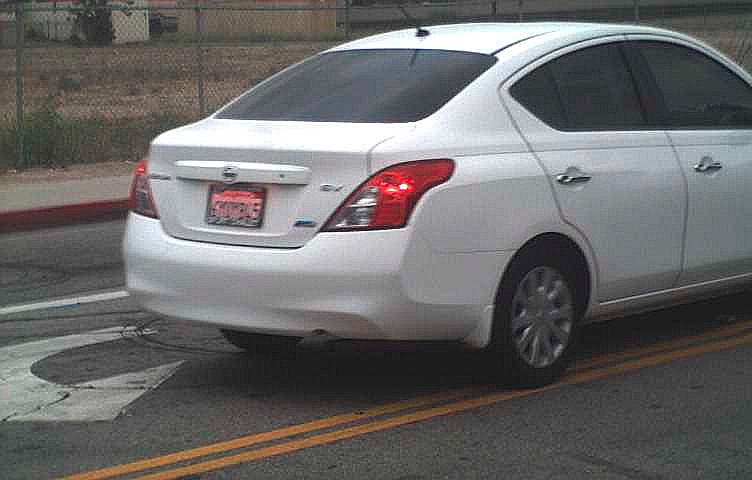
<point x="80" y="193"/>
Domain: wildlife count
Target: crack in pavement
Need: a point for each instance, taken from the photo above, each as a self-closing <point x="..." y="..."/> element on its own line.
<point x="614" y="467"/>
<point x="28" y="397"/>
<point x="63" y="396"/>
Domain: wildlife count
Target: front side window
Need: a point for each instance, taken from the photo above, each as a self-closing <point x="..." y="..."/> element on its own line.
<point x="589" y="89"/>
<point x="368" y="86"/>
<point x="698" y="92"/>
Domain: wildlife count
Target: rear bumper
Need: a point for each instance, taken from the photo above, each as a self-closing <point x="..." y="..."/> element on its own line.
<point x="385" y="285"/>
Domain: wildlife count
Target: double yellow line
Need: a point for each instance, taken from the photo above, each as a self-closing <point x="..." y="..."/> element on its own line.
<point x="418" y="409"/>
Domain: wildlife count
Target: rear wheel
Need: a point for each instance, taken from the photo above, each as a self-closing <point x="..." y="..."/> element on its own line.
<point x="260" y="343"/>
<point x="536" y="321"/>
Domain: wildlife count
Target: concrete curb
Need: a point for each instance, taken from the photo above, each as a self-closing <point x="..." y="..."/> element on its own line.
<point x="65" y="215"/>
<point x="36" y="205"/>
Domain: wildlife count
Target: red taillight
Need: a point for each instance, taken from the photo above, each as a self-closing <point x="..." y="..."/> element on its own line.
<point x="142" y="201"/>
<point x="387" y="198"/>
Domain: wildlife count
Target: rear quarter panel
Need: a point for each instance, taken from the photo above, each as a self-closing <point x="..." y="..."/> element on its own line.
<point x="498" y="195"/>
<point x="498" y="198"/>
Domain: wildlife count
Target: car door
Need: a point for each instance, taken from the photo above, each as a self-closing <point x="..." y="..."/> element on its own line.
<point x="615" y="181"/>
<point x="707" y="109"/>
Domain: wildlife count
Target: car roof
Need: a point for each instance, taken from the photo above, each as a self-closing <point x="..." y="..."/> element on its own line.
<point x="487" y="38"/>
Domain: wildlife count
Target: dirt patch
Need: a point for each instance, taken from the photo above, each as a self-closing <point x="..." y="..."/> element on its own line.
<point x="138" y="80"/>
<point x="72" y="172"/>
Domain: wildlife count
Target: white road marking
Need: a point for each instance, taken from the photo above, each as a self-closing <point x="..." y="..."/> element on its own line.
<point x="64" y="302"/>
<point x="24" y="396"/>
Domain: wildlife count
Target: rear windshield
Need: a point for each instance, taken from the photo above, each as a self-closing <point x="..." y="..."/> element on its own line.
<point x="364" y="86"/>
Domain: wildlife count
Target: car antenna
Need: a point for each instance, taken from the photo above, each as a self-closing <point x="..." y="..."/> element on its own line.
<point x="419" y="31"/>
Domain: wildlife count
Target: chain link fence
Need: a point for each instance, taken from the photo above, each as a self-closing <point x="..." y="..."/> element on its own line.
<point x="95" y="81"/>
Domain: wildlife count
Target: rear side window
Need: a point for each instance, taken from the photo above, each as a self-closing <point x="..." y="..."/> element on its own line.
<point x="590" y="89"/>
<point x="538" y="93"/>
<point x="698" y="92"/>
<point x="369" y="86"/>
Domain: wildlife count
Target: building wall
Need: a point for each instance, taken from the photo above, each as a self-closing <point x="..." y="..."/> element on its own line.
<point x="54" y="23"/>
<point x="238" y="23"/>
<point x="131" y="26"/>
<point x="565" y="9"/>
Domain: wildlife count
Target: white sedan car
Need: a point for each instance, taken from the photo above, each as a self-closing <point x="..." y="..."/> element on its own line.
<point x="491" y="184"/>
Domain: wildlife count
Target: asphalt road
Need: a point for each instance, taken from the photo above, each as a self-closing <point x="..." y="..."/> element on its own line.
<point x="664" y="395"/>
<point x="56" y="262"/>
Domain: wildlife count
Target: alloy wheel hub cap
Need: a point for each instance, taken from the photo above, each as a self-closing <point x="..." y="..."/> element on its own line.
<point x="542" y="316"/>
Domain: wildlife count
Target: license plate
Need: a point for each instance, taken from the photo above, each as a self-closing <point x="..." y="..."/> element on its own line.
<point x="235" y="206"/>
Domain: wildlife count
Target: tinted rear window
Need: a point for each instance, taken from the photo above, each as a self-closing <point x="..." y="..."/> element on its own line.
<point x="364" y="86"/>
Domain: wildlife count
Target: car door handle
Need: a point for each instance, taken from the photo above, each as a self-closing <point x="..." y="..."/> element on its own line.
<point x="570" y="179"/>
<point x="707" y="164"/>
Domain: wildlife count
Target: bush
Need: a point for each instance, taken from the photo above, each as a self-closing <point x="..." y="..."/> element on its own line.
<point x="48" y="140"/>
<point x="94" y="23"/>
<point x="51" y="140"/>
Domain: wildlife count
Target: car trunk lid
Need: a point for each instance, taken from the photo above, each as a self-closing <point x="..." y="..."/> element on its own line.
<point x="297" y="174"/>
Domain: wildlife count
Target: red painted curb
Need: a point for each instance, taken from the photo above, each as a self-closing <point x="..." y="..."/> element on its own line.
<point x="67" y="215"/>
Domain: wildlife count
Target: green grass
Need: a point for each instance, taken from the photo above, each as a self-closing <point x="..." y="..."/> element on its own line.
<point x="51" y="140"/>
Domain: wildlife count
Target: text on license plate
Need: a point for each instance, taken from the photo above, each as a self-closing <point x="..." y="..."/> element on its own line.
<point x="235" y="206"/>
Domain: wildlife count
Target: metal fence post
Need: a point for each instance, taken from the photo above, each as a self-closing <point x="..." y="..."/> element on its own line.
<point x="519" y="10"/>
<point x="494" y="10"/>
<point x="19" y="84"/>
<point x="637" y="11"/>
<point x="200" y="62"/>
<point x="348" y="25"/>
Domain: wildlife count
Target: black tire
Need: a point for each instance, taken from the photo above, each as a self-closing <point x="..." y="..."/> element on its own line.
<point x="260" y="343"/>
<point x="512" y="359"/>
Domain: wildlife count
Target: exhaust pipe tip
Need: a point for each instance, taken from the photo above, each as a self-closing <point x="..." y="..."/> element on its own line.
<point x="319" y="340"/>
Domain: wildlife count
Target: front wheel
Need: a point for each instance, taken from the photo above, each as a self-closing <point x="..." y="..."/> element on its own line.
<point x="537" y="316"/>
